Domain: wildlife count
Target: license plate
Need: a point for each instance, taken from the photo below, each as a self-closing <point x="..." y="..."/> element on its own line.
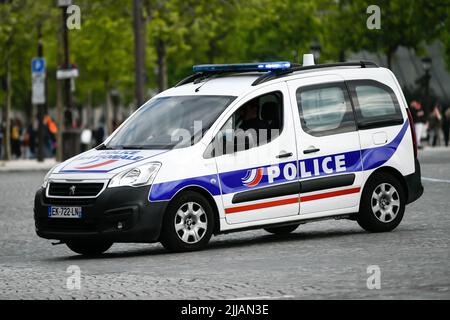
<point x="64" y="212"/>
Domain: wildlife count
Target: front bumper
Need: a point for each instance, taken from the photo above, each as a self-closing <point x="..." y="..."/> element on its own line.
<point x="141" y="220"/>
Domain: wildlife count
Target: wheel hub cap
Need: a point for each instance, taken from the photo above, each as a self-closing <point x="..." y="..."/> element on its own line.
<point x="191" y="222"/>
<point x="385" y="202"/>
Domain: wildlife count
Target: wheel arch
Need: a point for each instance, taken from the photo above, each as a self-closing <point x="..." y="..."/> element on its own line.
<point x="394" y="172"/>
<point x="208" y="196"/>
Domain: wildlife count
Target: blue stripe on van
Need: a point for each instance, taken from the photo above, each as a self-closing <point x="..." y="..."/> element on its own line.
<point x="232" y="181"/>
<point x="375" y="157"/>
<point x="166" y="190"/>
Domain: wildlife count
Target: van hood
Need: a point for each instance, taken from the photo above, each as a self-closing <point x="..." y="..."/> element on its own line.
<point x="103" y="164"/>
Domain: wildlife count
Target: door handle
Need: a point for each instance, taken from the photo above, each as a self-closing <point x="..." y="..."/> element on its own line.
<point x="311" y="150"/>
<point x="284" y="155"/>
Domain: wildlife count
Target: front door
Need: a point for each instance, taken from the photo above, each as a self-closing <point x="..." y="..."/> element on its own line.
<point x="258" y="173"/>
<point x="328" y="145"/>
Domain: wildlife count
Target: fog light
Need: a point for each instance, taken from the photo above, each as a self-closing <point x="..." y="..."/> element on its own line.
<point x="119" y="225"/>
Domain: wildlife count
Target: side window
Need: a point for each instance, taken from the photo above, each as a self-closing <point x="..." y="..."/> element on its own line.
<point x="375" y="103"/>
<point x="256" y="122"/>
<point x="325" y="109"/>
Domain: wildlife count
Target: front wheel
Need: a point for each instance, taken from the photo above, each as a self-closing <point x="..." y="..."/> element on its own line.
<point x="88" y="248"/>
<point x="188" y="223"/>
<point x="382" y="204"/>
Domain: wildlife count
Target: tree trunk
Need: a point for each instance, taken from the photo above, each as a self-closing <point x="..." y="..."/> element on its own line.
<point x="8" y="97"/>
<point x="59" y="119"/>
<point x="108" y="111"/>
<point x="341" y="55"/>
<point x="139" y="52"/>
<point x="162" y="64"/>
<point x="90" y="121"/>
<point x="389" y="55"/>
<point x="212" y="51"/>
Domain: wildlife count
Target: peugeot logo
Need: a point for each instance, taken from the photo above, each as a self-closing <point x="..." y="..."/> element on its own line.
<point x="72" y="190"/>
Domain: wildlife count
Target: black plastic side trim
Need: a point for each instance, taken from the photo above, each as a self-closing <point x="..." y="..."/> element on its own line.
<point x="267" y="192"/>
<point x="288" y="223"/>
<point x="294" y="188"/>
<point x="327" y="183"/>
<point x="379" y="123"/>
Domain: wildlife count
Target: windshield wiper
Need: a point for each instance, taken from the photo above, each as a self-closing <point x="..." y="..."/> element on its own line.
<point x="103" y="147"/>
<point x="130" y="147"/>
<point x="147" y="147"/>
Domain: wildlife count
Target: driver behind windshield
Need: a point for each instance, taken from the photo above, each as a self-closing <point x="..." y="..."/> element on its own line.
<point x="251" y="122"/>
<point x="249" y="116"/>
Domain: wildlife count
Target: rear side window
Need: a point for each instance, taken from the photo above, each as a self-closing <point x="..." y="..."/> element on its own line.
<point x="325" y="109"/>
<point x="375" y="104"/>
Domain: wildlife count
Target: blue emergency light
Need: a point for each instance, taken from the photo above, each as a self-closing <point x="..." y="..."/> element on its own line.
<point x="241" y="67"/>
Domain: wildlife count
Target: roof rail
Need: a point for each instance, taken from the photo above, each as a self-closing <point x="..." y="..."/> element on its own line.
<point x="273" y="74"/>
<point x="200" y="76"/>
<point x="190" y="78"/>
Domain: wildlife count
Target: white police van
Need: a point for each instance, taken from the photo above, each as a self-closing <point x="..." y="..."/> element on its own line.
<point x="237" y="147"/>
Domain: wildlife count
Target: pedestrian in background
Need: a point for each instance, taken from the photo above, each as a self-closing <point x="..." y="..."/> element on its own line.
<point x="99" y="134"/>
<point x="418" y="116"/>
<point x="446" y="126"/>
<point x="434" y="125"/>
<point x="50" y="135"/>
<point x="16" y="132"/>
<point x="29" y="142"/>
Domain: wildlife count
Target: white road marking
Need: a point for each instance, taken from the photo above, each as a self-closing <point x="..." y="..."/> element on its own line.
<point x="435" y="180"/>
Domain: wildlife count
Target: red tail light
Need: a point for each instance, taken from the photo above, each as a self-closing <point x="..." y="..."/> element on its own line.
<point x="413" y="132"/>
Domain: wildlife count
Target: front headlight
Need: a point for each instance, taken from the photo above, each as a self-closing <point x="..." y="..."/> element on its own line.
<point x="47" y="176"/>
<point x="136" y="177"/>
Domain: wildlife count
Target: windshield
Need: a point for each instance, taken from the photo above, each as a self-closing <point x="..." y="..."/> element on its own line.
<point x="169" y="122"/>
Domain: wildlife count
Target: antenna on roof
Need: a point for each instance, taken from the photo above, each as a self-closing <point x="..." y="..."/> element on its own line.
<point x="308" y="59"/>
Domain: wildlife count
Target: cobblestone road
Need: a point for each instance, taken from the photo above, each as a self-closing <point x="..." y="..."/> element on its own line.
<point x="320" y="260"/>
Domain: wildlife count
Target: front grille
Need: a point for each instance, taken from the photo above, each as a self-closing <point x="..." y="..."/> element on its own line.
<point x="63" y="189"/>
<point x="69" y="201"/>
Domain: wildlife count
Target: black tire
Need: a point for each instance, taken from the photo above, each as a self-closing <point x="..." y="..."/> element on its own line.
<point x="89" y="248"/>
<point x="369" y="217"/>
<point x="172" y="239"/>
<point x="282" y="230"/>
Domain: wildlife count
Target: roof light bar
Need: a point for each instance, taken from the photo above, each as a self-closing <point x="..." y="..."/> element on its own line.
<point x="241" y="67"/>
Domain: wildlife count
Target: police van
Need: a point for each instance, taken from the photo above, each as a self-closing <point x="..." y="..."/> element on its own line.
<point x="241" y="146"/>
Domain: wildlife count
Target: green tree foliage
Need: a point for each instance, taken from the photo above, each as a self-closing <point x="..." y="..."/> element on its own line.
<point x="180" y="33"/>
<point x="18" y="43"/>
<point x="19" y="22"/>
<point x="276" y="29"/>
<point x="103" y="49"/>
<point x="446" y="37"/>
<point x="403" y="23"/>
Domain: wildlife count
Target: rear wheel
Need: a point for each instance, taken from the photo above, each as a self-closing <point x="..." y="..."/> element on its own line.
<point x="282" y="230"/>
<point x="89" y="248"/>
<point x="188" y="223"/>
<point x="382" y="204"/>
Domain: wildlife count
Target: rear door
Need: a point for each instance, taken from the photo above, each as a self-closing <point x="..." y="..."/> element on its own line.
<point x="380" y="122"/>
<point x="328" y="144"/>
